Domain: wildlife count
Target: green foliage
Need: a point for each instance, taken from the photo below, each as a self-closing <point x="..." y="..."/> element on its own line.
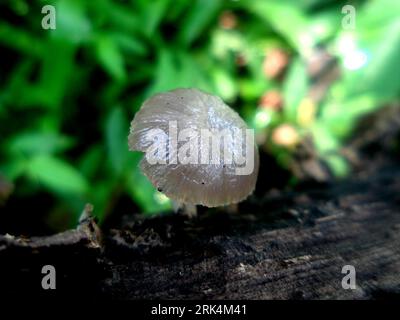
<point x="116" y="132"/>
<point x="57" y="175"/>
<point x="67" y="96"/>
<point x="295" y="88"/>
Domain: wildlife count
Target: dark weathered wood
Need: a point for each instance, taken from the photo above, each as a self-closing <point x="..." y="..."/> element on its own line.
<point x="74" y="253"/>
<point x="293" y="245"/>
<point x="287" y="245"/>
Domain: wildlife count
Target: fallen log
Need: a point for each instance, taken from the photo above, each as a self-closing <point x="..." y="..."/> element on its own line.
<point x="287" y="245"/>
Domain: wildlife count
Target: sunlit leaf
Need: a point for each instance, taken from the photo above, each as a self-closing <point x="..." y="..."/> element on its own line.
<point x="39" y="143"/>
<point x="57" y="175"/>
<point x="110" y="57"/>
<point x="292" y="28"/>
<point x="324" y="140"/>
<point x="225" y="84"/>
<point x="337" y="164"/>
<point x="376" y="40"/>
<point x="129" y="44"/>
<point x="166" y="75"/>
<point x="72" y="23"/>
<point x="153" y="14"/>
<point x="340" y="117"/>
<point x="177" y="70"/>
<point x="201" y="13"/>
<point x="294" y="88"/>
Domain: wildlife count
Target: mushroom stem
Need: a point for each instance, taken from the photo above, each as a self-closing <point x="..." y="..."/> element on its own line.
<point x="186" y="209"/>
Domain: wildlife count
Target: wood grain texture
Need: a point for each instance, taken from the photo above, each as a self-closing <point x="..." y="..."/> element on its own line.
<point x="293" y="246"/>
<point x="288" y="245"/>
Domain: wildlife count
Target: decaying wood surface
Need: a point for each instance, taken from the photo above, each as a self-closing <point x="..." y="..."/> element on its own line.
<point x="289" y="245"/>
<point x="286" y="245"/>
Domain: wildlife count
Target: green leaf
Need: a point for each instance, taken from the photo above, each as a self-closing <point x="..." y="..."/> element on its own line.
<point x="144" y="193"/>
<point x="324" y="140"/>
<point x="175" y="11"/>
<point x="17" y="87"/>
<point x="121" y="18"/>
<point x="251" y="89"/>
<point x="152" y="15"/>
<point x="340" y="117"/>
<point x="117" y="130"/>
<point x="225" y="84"/>
<point x="294" y="88"/>
<point x="176" y="69"/>
<point x="110" y="57"/>
<point x="166" y="74"/>
<point x="20" y="40"/>
<point x="31" y="143"/>
<point x="55" y="76"/>
<point x="73" y="24"/>
<point x="338" y="165"/>
<point x="200" y="15"/>
<point x="192" y="73"/>
<point x="100" y="197"/>
<point x="57" y="175"/>
<point x="377" y="38"/>
<point x="14" y="168"/>
<point x="129" y="44"/>
<point x="91" y="161"/>
<point x="292" y="28"/>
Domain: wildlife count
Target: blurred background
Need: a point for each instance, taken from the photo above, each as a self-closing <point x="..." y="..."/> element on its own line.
<point x="299" y="72"/>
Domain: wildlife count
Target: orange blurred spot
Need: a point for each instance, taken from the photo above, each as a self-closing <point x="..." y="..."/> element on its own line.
<point x="275" y="63"/>
<point x="228" y="20"/>
<point x="6" y="189"/>
<point x="272" y="100"/>
<point x="285" y="135"/>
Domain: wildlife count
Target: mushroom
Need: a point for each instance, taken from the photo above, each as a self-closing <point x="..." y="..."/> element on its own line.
<point x="174" y="130"/>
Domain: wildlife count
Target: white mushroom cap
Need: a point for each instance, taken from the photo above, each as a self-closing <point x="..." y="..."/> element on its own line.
<point x="208" y="184"/>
